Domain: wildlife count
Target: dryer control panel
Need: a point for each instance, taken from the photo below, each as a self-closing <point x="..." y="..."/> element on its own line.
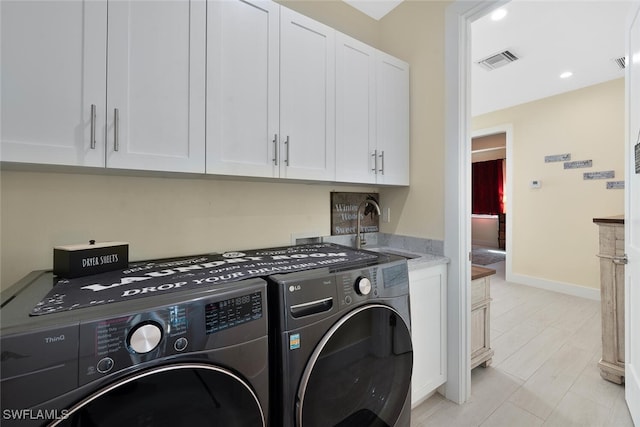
<point x="118" y="343"/>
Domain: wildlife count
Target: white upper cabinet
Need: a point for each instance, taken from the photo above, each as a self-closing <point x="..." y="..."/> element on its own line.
<point x="355" y="111"/>
<point x="372" y="115"/>
<point x="392" y="106"/>
<point x="59" y="99"/>
<point x="243" y="45"/>
<point x="270" y="92"/>
<point x="307" y="98"/>
<point x="156" y="85"/>
<point x="53" y="70"/>
<point x="233" y="87"/>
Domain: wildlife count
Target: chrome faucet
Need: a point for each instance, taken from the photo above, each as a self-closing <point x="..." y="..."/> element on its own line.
<point x="359" y="239"/>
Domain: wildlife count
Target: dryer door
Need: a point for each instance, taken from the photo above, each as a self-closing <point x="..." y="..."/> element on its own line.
<point x="360" y="373"/>
<point x="189" y="394"/>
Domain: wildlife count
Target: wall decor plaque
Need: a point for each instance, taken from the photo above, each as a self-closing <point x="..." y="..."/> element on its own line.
<point x="557" y="158"/>
<point x="344" y="213"/>
<point x="578" y="164"/>
<point x="615" y="185"/>
<point x="599" y="175"/>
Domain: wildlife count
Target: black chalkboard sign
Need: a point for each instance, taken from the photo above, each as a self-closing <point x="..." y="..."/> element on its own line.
<point x="344" y="213"/>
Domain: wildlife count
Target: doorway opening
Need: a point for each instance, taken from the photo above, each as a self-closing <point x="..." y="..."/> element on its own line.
<point x="488" y="199"/>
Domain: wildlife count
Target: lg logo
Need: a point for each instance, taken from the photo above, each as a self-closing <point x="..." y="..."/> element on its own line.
<point x="294" y="288"/>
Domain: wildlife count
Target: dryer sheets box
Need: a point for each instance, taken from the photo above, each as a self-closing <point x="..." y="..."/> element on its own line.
<point x="87" y="259"/>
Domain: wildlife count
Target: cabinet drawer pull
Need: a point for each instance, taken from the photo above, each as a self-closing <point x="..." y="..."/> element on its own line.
<point x="275" y="149"/>
<point x="93" y="127"/>
<point x="116" y="129"/>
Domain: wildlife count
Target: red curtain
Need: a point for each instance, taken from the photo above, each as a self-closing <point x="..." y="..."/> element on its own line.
<point x="487" y="187"/>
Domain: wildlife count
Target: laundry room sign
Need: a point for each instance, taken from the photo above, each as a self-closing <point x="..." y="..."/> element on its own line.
<point x="344" y="213"/>
<point x="170" y="275"/>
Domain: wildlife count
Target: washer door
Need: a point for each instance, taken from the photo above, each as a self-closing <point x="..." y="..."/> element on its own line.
<point x="360" y="373"/>
<point x="189" y="394"/>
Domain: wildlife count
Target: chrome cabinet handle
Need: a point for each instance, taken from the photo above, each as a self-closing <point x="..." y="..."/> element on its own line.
<point x="375" y="161"/>
<point x="275" y="149"/>
<point x="116" y="129"/>
<point x="93" y="127"/>
<point x="381" y="162"/>
<point x="286" y="142"/>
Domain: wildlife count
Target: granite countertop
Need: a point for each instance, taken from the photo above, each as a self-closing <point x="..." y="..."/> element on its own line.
<point x="421" y="260"/>
<point x="617" y="219"/>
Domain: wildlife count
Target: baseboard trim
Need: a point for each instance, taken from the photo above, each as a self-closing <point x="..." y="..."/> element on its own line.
<point x="550" y="285"/>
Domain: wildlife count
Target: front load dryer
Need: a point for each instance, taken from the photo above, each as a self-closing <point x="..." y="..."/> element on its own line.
<point x="189" y="358"/>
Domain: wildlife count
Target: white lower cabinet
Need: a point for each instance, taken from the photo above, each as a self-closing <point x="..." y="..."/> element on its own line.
<point x="428" y="288"/>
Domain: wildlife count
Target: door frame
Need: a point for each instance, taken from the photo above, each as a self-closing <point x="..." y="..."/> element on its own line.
<point x="632" y="376"/>
<point x="457" y="209"/>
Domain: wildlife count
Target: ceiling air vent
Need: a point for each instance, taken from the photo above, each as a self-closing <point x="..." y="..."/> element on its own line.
<point x="620" y="62"/>
<point x="497" y="60"/>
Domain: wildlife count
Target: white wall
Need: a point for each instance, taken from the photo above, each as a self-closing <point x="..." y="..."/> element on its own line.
<point x="554" y="238"/>
<point x="159" y="217"/>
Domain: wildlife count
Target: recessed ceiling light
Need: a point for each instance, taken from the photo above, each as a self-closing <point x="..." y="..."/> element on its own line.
<point x="566" y="75"/>
<point x="498" y="14"/>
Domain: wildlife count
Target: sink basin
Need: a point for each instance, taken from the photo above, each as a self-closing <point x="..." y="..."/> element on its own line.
<point x="396" y="252"/>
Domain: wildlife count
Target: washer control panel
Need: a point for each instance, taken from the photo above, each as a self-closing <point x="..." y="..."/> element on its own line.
<point x="381" y="281"/>
<point x="117" y="343"/>
<point x="357" y="285"/>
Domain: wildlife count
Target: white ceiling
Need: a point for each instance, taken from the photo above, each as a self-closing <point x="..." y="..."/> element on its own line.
<point x="374" y="8"/>
<point x="549" y="37"/>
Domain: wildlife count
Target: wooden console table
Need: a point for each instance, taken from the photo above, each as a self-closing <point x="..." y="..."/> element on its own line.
<point x="481" y="352"/>
<point x="612" y="260"/>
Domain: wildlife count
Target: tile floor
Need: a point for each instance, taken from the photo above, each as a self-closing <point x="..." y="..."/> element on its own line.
<point x="544" y="372"/>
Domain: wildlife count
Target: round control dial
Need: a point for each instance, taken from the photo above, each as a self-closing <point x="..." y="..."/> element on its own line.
<point x="145" y="337"/>
<point x="363" y="285"/>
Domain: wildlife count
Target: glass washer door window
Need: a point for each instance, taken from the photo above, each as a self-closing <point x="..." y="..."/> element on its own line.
<point x="360" y="373"/>
<point x="190" y="394"/>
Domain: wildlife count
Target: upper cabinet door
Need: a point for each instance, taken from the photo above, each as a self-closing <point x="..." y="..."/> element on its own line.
<point x="355" y="111"/>
<point x="156" y="85"/>
<point x="243" y="87"/>
<point x="307" y="98"/>
<point x="53" y="71"/>
<point x="392" y="76"/>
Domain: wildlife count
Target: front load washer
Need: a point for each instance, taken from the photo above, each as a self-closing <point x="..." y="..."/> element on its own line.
<point x="188" y="358"/>
<point x="341" y="349"/>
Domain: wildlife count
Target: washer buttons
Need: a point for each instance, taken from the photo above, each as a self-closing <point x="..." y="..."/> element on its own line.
<point x="181" y="344"/>
<point x="105" y="365"/>
<point x="347" y="300"/>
